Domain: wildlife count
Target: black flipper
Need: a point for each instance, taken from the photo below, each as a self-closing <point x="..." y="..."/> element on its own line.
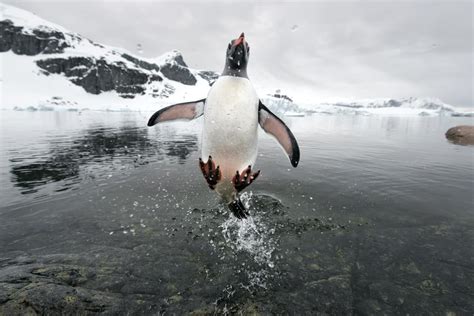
<point x="182" y="111"/>
<point x="275" y="127"/>
<point x="238" y="209"/>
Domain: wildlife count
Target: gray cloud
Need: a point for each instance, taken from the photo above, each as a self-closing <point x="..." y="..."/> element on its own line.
<point x="338" y="49"/>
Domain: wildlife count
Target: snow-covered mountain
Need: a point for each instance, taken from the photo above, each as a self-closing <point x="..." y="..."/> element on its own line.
<point x="406" y="106"/>
<point x="46" y="66"/>
<point x="283" y="104"/>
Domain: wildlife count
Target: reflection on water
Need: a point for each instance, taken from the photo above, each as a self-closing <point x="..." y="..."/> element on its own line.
<point x="93" y="153"/>
<point x="377" y="218"/>
<point x="32" y="175"/>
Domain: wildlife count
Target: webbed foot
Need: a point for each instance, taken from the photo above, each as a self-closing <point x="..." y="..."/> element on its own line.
<point x="210" y="172"/>
<point x="244" y="179"/>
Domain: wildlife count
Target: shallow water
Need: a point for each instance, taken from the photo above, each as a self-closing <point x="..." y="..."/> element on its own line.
<point x="102" y="214"/>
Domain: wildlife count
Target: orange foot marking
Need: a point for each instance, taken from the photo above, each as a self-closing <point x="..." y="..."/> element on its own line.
<point x="210" y="172"/>
<point x="241" y="181"/>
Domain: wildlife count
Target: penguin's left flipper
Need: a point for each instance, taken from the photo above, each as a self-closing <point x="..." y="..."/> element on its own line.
<point x="275" y="127"/>
<point x="182" y="111"/>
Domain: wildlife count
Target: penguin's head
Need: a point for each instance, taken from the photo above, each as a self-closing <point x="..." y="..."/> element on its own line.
<point x="237" y="56"/>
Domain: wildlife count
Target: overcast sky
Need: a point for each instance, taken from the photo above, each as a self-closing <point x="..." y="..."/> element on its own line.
<point x="323" y="50"/>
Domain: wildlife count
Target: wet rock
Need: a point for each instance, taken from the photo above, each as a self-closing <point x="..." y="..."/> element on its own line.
<point x="70" y="275"/>
<point x="251" y="308"/>
<point x="387" y="293"/>
<point x="410" y="268"/>
<point x="432" y="287"/>
<point x="175" y="299"/>
<point x="462" y="134"/>
<point x="59" y="289"/>
<point x="315" y="267"/>
<point x="328" y="292"/>
<point x="337" y="281"/>
<point x="370" y="307"/>
<point x="203" y="311"/>
<point x="48" y="298"/>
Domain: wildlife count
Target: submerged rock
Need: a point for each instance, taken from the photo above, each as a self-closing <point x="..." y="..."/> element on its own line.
<point x="462" y="134"/>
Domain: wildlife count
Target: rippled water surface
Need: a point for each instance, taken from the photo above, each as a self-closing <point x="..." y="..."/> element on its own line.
<point x="101" y="214"/>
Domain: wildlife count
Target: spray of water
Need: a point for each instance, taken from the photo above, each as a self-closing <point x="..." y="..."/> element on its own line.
<point x="251" y="237"/>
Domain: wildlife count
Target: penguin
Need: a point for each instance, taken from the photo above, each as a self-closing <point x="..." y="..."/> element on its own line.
<point x="232" y="113"/>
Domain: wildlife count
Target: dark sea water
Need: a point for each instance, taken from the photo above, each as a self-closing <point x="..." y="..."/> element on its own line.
<point x="100" y="214"/>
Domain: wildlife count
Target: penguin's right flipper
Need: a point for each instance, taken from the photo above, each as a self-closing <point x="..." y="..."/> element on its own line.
<point x="275" y="127"/>
<point x="182" y="111"/>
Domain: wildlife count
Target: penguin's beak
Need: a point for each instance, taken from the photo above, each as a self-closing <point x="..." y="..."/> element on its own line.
<point x="239" y="40"/>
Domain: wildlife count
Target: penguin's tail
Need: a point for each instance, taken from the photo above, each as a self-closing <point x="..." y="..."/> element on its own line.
<point x="238" y="209"/>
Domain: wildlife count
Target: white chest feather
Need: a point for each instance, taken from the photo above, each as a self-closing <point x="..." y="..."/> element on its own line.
<point x="230" y="124"/>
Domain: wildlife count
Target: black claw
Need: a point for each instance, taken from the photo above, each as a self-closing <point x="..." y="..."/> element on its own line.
<point x="238" y="209"/>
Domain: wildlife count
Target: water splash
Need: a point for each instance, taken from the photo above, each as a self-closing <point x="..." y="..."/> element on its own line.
<point x="252" y="237"/>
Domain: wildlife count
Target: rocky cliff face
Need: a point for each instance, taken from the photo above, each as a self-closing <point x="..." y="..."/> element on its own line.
<point x="98" y="75"/>
<point x="30" y="43"/>
<point x="94" y="67"/>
